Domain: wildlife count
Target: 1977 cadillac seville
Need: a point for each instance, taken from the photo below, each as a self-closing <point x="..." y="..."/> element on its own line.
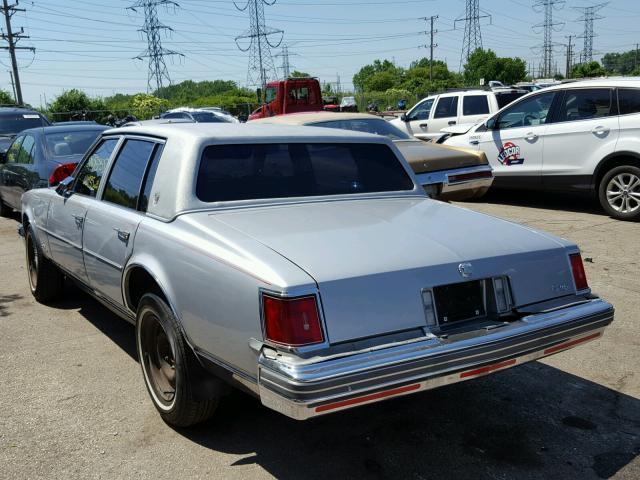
<point x="302" y="264"/>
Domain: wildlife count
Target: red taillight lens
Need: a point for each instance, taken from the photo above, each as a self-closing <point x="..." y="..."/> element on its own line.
<point x="292" y="321"/>
<point x="579" y="277"/>
<point x="61" y="172"/>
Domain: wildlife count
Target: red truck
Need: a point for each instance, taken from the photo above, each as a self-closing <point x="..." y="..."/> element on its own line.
<point x="290" y="96"/>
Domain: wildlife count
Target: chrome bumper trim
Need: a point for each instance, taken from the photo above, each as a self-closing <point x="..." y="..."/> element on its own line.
<point x="302" y="389"/>
<point x="443" y="178"/>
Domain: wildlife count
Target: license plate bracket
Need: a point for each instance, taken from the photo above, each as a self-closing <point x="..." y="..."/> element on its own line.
<point x="459" y="302"/>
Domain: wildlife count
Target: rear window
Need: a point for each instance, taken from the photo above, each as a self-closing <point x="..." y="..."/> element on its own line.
<point x="629" y="100"/>
<point x="208" y="117"/>
<point x="377" y="126"/>
<point x="585" y="104"/>
<point x="475" y="105"/>
<point x="505" y="98"/>
<point x="63" y="144"/>
<point x="446" y="107"/>
<point x="281" y="170"/>
<point x="15" y="123"/>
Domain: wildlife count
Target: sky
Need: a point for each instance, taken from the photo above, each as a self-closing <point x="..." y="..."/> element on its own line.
<point x="91" y="44"/>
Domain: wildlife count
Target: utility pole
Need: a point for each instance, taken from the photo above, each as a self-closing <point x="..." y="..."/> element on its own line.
<point x="11" y="39"/>
<point x="472" y="35"/>
<point x="569" y="56"/>
<point x="588" y="17"/>
<point x="432" y="45"/>
<point x="260" y="59"/>
<point x="13" y="85"/>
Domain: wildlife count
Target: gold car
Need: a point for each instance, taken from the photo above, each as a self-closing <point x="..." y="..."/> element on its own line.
<point x="447" y="173"/>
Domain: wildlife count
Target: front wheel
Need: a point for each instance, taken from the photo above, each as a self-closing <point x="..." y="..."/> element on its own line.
<point x="169" y="368"/>
<point x="619" y="192"/>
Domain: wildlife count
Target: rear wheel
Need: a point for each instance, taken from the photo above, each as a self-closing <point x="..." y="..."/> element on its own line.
<point x="619" y="192"/>
<point x="169" y="367"/>
<point x="45" y="279"/>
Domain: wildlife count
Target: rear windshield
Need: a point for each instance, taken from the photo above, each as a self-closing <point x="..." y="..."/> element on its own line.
<point x="208" y="117"/>
<point x="281" y="170"/>
<point x="64" y="144"/>
<point x="505" y="98"/>
<point x="367" y="125"/>
<point x="15" y="123"/>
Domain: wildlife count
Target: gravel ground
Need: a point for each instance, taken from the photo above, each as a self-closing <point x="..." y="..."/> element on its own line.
<point x="75" y="405"/>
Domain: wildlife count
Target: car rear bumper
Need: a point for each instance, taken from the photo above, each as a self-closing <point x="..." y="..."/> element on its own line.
<point x="303" y="389"/>
<point x="459" y="180"/>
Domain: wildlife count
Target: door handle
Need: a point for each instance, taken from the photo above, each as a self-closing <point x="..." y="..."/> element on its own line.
<point x="474" y="142"/>
<point x="79" y="220"/>
<point x="600" y="130"/>
<point x="452" y="122"/>
<point x="123" y="236"/>
<point x="423" y="125"/>
<point x="531" y="137"/>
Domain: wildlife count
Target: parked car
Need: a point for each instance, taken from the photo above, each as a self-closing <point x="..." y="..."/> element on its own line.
<point x="429" y="116"/>
<point x="197" y="115"/>
<point x="577" y="137"/>
<point x="15" y="119"/>
<point x="221" y="112"/>
<point x="446" y="173"/>
<point x="301" y="264"/>
<point x="348" y="104"/>
<point x="42" y="157"/>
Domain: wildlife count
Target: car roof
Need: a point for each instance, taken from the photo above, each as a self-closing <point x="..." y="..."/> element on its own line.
<point x="304" y="118"/>
<point x="66" y="128"/>
<point x="598" y="82"/>
<point x="238" y="132"/>
<point x="14" y="110"/>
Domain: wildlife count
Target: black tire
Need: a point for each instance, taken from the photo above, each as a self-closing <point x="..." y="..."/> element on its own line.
<point x="5" y="210"/>
<point x="45" y="279"/>
<point x="619" y="192"/>
<point x="169" y="367"/>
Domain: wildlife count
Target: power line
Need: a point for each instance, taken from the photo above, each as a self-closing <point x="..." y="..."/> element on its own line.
<point x="588" y="17"/>
<point x="12" y="38"/>
<point x="155" y="52"/>
<point x="261" y="66"/>
<point x="548" y="26"/>
<point x="472" y="36"/>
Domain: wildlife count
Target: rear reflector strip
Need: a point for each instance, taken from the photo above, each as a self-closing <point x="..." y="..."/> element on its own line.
<point x="571" y="343"/>
<point x="368" y="398"/>
<point x="488" y="368"/>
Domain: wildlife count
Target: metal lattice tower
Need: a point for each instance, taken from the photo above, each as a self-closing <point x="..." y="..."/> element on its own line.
<point x="158" y="75"/>
<point x="472" y="36"/>
<point x="588" y="17"/>
<point x="548" y="26"/>
<point x="261" y="66"/>
<point x="286" y="66"/>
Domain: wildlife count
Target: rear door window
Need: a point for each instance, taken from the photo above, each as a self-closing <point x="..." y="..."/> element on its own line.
<point x="446" y="107"/>
<point x="262" y="171"/>
<point x="26" y="150"/>
<point x="475" y="105"/>
<point x="125" y="179"/>
<point x="14" y="150"/>
<point x="421" y="111"/>
<point x="586" y="104"/>
<point x="629" y="100"/>
<point x="91" y="172"/>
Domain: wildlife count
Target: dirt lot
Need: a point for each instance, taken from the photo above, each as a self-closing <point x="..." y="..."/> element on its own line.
<point x="74" y="405"/>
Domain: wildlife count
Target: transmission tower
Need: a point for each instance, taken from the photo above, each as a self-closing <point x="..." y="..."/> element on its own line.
<point x="158" y="75"/>
<point x="548" y="26"/>
<point x="472" y="36"/>
<point x="588" y="17"/>
<point x="261" y="66"/>
<point x="286" y="66"/>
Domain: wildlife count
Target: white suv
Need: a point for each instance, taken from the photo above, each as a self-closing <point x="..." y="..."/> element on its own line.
<point x="582" y="136"/>
<point x="432" y="114"/>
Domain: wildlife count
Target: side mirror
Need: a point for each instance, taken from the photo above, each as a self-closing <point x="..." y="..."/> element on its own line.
<point x="403" y="117"/>
<point x="64" y="187"/>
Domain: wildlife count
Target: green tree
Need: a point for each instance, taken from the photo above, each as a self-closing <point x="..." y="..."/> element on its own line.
<point x="362" y="78"/>
<point x="299" y="74"/>
<point x="587" y="70"/>
<point x="380" y="81"/>
<point x="75" y="104"/>
<point x="6" y="98"/>
<point x="146" y="105"/>
<point x="486" y="64"/>
<point x="622" y="63"/>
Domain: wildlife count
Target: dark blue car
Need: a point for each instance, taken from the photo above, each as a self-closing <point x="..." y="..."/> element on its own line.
<point x="41" y="157"/>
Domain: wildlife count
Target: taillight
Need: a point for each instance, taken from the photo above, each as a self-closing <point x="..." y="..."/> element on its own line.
<point x="579" y="277"/>
<point x="292" y="321"/>
<point x="61" y="172"/>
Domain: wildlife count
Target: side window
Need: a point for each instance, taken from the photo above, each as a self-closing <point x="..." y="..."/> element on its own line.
<point x="585" y="104"/>
<point x="421" y="111"/>
<point x="14" y="150"/>
<point x="270" y="94"/>
<point x="475" y="105"/>
<point x="151" y="175"/>
<point x="125" y="180"/>
<point x="93" y="169"/>
<point x="446" y="107"/>
<point x="530" y="112"/>
<point x="26" y="150"/>
<point x="629" y="100"/>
